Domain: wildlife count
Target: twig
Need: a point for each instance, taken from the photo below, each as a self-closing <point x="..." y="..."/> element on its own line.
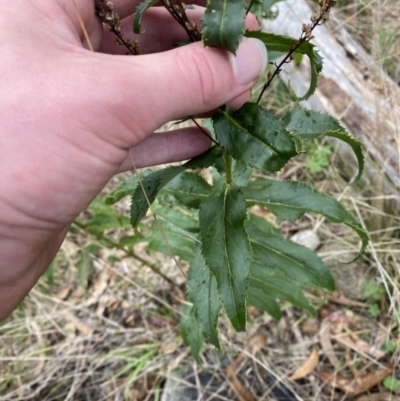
<point x="82" y="24"/>
<point x="204" y="131"/>
<point x="306" y="36"/>
<point x="107" y="15"/>
<point x="249" y="7"/>
<point x="128" y="252"/>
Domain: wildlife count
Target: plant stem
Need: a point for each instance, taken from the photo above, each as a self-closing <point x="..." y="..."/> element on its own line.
<point x="107" y="15"/>
<point x="178" y="12"/>
<point x="316" y="19"/>
<point x="228" y="168"/>
<point x="203" y="131"/>
<point x="128" y="252"/>
<point x="249" y="7"/>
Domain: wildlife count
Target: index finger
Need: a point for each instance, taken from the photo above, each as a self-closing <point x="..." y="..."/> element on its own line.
<point x="125" y="8"/>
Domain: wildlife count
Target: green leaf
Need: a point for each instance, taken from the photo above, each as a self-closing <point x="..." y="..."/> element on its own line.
<point x="189" y="189"/>
<point x="104" y="217"/>
<point x="101" y="222"/>
<point x="85" y="263"/>
<point x="281" y="45"/>
<point x="258" y="298"/>
<point x="275" y="285"/>
<point x="130" y="240"/>
<point x="241" y="173"/>
<point x="289" y="200"/>
<point x="318" y="159"/>
<point x="126" y="188"/>
<point x="254" y="136"/>
<point x="226" y="249"/>
<point x="179" y="227"/>
<point x="223" y="24"/>
<point x="140" y="10"/>
<point x="298" y="263"/>
<point x="190" y="332"/>
<point x="392" y="384"/>
<point x="309" y="124"/>
<point x="157" y="180"/>
<point x="202" y="292"/>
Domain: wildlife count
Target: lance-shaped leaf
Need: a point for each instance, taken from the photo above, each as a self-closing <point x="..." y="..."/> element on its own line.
<point x="254" y="136"/>
<point x="223" y="24"/>
<point x="226" y="249"/>
<point x="289" y="200"/>
<point x="178" y="226"/>
<point x="190" y="331"/>
<point x="202" y="292"/>
<point x="278" y="45"/>
<point x="141" y="9"/>
<point x="155" y="181"/>
<point x="309" y="124"/>
<point x="189" y="189"/>
<point x="298" y="263"/>
<point x="261" y="300"/>
<point x="276" y="285"/>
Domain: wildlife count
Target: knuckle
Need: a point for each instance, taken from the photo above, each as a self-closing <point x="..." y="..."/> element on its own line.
<point x="200" y="76"/>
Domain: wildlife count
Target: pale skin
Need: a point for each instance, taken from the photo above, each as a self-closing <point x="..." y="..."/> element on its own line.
<point x="69" y="117"/>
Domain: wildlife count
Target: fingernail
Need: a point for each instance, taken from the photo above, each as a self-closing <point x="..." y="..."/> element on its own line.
<point x="250" y="61"/>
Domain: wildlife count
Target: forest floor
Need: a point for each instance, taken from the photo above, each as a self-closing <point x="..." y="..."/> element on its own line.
<point x="103" y="323"/>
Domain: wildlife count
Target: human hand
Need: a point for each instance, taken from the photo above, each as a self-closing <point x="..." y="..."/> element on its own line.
<point x="69" y="117"/>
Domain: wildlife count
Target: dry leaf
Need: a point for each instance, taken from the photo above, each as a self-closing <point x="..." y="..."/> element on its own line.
<point x="99" y="286"/>
<point x="342" y="300"/>
<point x="169" y="347"/>
<point x="307" y="367"/>
<point x="255" y="344"/>
<point x="310" y="326"/>
<point x="77" y="324"/>
<point x="355" y="386"/>
<point x="242" y="393"/>
<point x="360" y="346"/>
<point x="141" y="387"/>
<point x="326" y="344"/>
<point x="64" y="292"/>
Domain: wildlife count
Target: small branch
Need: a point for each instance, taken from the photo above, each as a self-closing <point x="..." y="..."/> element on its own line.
<point x="204" y="131"/>
<point x="306" y="36"/>
<point x="82" y="24"/>
<point x="249" y="7"/>
<point x="127" y="252"/>
<point x="107" y="15"/>
<point x="179" y="14"/>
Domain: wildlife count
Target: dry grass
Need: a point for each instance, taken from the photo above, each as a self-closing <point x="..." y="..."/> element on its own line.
<point x="111" y="333"/>
<point x="376" y="25"/>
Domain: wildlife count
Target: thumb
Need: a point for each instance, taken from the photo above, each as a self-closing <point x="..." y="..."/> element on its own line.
<point x="157" y="88"/>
